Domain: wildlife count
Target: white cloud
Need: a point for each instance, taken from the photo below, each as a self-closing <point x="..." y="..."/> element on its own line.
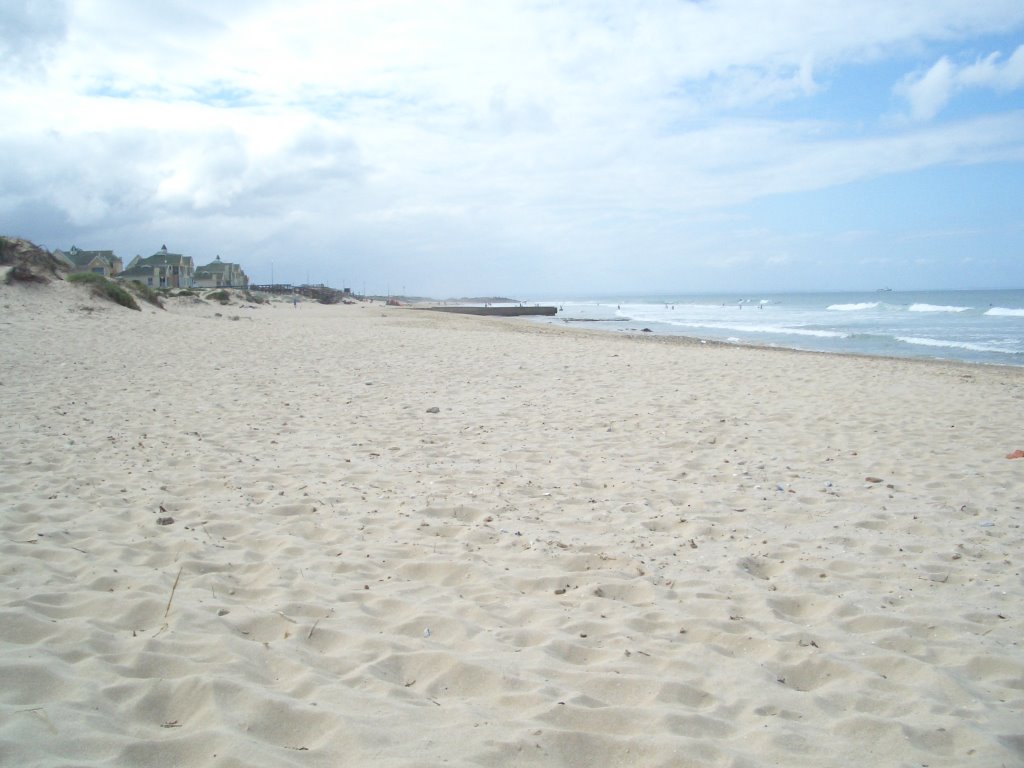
<point x="990" y="73"/>
<point x="29" y="32"/>
<point x="563" y="129"/>
<point x="929" y="93"/>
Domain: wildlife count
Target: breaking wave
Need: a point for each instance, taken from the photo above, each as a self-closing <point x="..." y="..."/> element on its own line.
<point x="853" y="307"/>
<point x="935" y="308"/>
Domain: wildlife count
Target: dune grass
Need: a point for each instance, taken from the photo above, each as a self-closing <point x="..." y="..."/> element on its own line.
<point x="21" y="273"/>
<point x="105" y="288"/>
<point x="146" y="293"/>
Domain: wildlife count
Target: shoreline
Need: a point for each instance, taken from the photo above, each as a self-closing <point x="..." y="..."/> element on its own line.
<point x="325" y="534"/>
<point x="968" y="326"/>
<point x="688" y="340"/>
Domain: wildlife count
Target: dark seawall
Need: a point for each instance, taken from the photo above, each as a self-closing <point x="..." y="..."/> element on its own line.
<point x="495" y="311"/>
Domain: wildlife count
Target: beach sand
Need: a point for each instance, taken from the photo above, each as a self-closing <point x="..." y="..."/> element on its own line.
<point x="238" y="536"/>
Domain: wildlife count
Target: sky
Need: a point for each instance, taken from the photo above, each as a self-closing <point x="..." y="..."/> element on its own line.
<point x="536" y="148"/>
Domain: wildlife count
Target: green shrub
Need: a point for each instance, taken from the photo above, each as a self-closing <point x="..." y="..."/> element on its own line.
<point x="104" y="288"/>
<point x="146" y="293"/>
<point x="222" y="296"/>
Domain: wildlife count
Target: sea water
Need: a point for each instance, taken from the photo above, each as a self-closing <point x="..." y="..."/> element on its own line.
<point x="969" y="326"/>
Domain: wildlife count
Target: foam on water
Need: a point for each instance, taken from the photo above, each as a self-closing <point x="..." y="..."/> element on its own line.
<point x="764" y="329"/>
<point x="859" y="307"/>
<point x="1005" y="312"/>
<point x="935" y="308"/>
<point x="953" y="344"/>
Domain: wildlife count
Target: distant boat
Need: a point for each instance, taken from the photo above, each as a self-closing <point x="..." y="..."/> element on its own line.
<point x="884" y="290"/>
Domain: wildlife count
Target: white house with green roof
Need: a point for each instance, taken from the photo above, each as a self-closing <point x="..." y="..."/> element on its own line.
<point x="161" y="270"/>
<point x="220" y="274"/>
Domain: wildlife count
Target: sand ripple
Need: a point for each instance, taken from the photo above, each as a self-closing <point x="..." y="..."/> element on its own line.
<point x="600" y="551"/>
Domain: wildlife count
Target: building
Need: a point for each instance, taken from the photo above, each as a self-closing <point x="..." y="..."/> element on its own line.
<point x="99" y="262"/>
<point x="220" y="274"/>
<point x="161" y="270"/>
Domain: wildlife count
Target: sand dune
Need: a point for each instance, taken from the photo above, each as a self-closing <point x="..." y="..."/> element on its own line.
<point x="235" y="536"/>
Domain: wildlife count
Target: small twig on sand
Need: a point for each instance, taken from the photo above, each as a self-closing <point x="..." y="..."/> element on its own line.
<point x="168" y="610"/>
<point x="313" y="629"/>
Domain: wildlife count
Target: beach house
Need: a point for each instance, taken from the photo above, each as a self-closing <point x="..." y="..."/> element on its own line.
<point x="220" y="274"/>
<point x="161" y="270"/>
<point x="99" y="262"/>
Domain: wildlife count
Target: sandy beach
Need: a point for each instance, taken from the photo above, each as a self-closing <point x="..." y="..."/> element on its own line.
<point x="367" y="535"/>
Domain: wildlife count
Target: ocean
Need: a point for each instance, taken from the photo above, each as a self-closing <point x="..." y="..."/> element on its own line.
<point x="969" y="326"/>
